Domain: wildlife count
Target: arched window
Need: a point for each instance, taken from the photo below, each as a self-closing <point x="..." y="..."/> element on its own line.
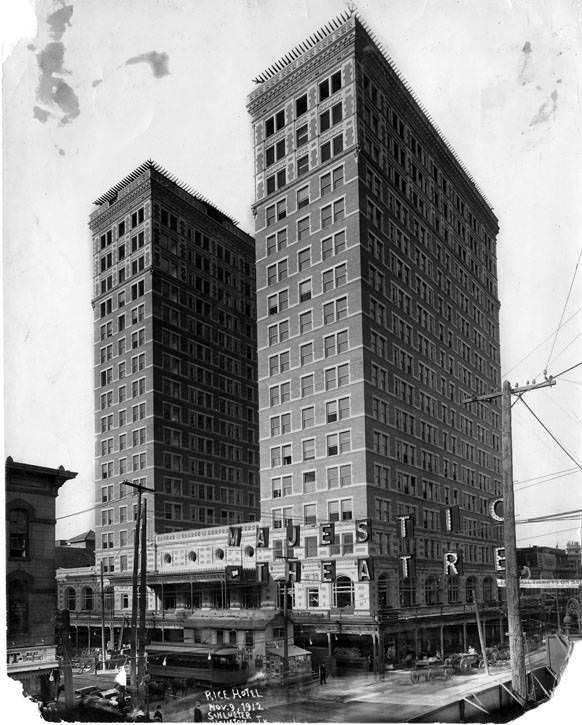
<point x="383" y="600"/>
<point x="453" y="589"/>
<point x="471" y="589"/>
<point x="70" y="599"/>
<point x="18" y="591"/>
<point x="88" y="598"/>
<point x="431" y="590"/>
<point x="109" y="597"/>
<point x="18" y="528"/>
<point x="343" y="592"/>
<point x="488" y="590"/>
<point x="408" y="592"/>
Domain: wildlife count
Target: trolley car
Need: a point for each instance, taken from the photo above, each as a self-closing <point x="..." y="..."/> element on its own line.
<point x="209" y="664"/>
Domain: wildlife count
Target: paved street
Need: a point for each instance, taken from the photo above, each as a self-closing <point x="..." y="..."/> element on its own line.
<point x="360" y="697"/>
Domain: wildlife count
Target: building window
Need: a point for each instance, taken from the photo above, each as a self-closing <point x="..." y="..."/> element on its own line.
<point x="309" y="477"/>
<point x="306" y="353"/>
<point x="330" y="85"/>
<point x="308" y="448"/>
<point x="333" y="245"/>
<point x="307" y="417"/>
<point x="305" y="290"/>
<point x="18" y="594"/>
<point x="310" y="543"/>
<point x="303" y="165"/>
<point x="310" y="514"/>
<point x="453" y="589"/>
<point x="70" y="599"/>
<point x="18" y="532"/>
<point x="307" y="386"/>
<point x="332" y="148"/>
<point x="275" y="123"/>
<point x="276" y="181"/>
<point x="343" y="592"/>
<point x="275" y="152"/>
<point x="88" y="599"/>
<point x="305" y="322"/>
<point x="302" y="197"/>
<point x="301" y="105"/>
<point x="301" y="136"/>
<point x="332" y="180"/>
<point x="312" y="597"/>
<point x="303" y="229"/>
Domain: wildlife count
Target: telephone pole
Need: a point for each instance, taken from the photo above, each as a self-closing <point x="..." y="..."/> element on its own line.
<point x="516" y="648"/>
<point x="136" y="536"/>
<point x="102" y="617"/>
<point x="142" y="687"/>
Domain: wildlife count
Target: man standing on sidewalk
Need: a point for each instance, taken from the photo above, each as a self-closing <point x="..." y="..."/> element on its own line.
<point x="322" y="674"/>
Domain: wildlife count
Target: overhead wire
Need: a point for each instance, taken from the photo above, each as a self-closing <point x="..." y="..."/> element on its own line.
<point x="564" y="307"/>
<point x="543" y="342"/>
<point x="549" y="432"/>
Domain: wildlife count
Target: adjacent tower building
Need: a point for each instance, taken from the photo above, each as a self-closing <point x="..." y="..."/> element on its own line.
<point x="377" y="317"/>
<point x="175" y="362"/>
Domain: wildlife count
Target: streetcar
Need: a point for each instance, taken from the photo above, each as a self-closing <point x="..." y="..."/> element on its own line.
<point x="208" y="664"/>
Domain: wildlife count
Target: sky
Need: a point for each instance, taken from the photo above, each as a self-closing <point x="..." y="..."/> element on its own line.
<point x="94" y="88"/>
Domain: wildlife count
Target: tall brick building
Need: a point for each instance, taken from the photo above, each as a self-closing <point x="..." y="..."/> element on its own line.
<point x="175" y="362"/>
<point x="377" y="316"/>
<point x="31" y="589"/>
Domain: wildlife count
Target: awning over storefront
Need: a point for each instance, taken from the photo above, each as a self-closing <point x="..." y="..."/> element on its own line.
<point x="292" y="651"/>
<point x="258" y="621"/>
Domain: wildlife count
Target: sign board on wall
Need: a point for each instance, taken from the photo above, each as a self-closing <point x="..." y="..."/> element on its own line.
<point x="545" y="583"/>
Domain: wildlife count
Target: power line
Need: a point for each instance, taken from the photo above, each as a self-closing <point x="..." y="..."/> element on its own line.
<point x="552" y="533"/>
<point x="544" y="475"/>
<point x="543" y="342"/>
<point x="567" y="370"/>
<point x="547" y="480"/>
<point x="564" y="307"/>
<point x="548" y="431"/>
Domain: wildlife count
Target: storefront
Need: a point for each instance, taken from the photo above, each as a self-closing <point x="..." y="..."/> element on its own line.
<point x="299" y="660"/>
<point x="35" y="668"/>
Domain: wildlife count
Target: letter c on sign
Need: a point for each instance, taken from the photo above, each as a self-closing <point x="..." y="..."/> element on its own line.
<point x="496" y="509"/>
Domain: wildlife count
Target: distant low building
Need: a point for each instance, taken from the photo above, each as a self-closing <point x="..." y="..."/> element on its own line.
<point x="76" y="552"/>
<point x="31" y="596"/>
<point x="545" y="562"/>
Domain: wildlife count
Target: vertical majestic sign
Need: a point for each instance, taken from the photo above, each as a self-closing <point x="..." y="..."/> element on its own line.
<point x="496" y="509"/>
<point x="234" y="535"/>
<point x="327" y="534"/>
<point x="500" y="558"/>
<point x="363" y="530"/>
<point x="294" y="570"/>
<point x="262" y="537"/>
<point x="263" y="572"/>
<point x="453" y="561"/>
<point x="293" y="534"/>
<point x="407" y="567"/>
<point x="451" y="519"/>
<point x="328" y="571"/>
<point x="406" y="526"/>
<point x="365" y="570"/>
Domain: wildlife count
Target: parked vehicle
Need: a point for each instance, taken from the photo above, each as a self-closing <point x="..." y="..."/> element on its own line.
<point x="430" y="668"/>
<point x="464" y="662"/>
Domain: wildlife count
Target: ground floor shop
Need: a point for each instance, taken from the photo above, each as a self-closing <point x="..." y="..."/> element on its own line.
<point x="362" y="643"/>
<point x="36" y="668"/>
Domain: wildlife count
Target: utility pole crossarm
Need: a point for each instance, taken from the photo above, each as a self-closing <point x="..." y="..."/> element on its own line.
<point x="517" y="390"/>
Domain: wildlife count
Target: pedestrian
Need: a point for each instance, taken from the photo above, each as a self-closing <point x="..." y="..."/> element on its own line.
<point x="157" y="716"/>
<point x="197" y="712"/>
<point x="322" y="674"/>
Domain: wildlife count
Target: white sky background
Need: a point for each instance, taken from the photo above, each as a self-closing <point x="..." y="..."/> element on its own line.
<point x="513" y="116"/>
